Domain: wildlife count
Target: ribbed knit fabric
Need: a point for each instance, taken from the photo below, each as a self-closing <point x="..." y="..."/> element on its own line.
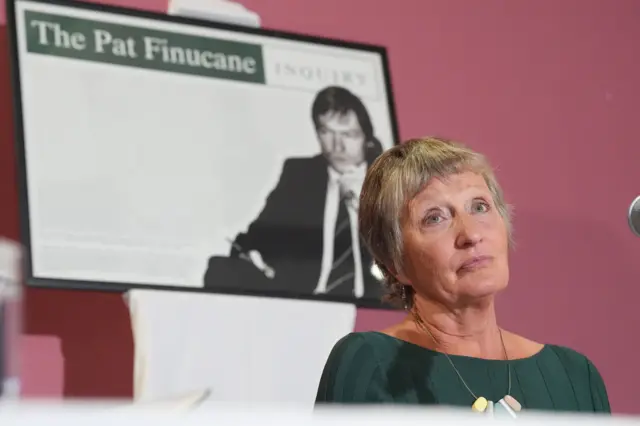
<point x="373" y="367"/>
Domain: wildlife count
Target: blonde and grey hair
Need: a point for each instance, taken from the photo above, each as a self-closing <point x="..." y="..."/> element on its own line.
<point x="395" y="178"/>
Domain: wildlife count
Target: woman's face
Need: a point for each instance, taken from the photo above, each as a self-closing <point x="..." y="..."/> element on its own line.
<point x="455" y="241"/>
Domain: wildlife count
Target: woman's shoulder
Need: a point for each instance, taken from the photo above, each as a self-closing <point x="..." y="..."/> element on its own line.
<point x="523" y="347"/>
<point x="559" y="365"/>
<point x="580" y="371"/>
<point x="364" y="344"/>
<point x="567" y="354"/>
<point x="362" y="348"/>
<point x="354" y="365"/>
<point x="570" y="360"/>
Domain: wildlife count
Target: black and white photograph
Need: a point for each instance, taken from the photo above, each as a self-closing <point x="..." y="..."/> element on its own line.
<point x="163" y="152"/>
<point x="305" y="239"/>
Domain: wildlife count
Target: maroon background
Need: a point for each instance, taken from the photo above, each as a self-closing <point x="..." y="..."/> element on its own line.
<point x="548" y="89"/>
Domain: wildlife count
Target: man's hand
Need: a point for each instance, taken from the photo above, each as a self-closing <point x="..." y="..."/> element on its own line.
<point x="256" y="259"/>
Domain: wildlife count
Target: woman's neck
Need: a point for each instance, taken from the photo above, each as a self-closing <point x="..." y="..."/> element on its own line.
<point x="469" y="330"/>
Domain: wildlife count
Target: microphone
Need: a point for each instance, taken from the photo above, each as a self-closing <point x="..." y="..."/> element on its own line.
<point x="634" y="216"/>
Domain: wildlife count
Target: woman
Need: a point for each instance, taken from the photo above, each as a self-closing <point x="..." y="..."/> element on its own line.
<point x="434" y="217"/>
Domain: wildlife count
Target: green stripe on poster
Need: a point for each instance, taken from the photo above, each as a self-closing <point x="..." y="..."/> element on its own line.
<point x="103" y="42"/>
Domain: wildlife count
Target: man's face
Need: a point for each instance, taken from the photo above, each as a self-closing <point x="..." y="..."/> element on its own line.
<point x="342" y="140"/>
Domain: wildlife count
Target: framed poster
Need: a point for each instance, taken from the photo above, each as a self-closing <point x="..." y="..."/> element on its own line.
<point x="166" y="152"/>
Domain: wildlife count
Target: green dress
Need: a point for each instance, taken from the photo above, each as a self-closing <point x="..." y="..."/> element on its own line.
<point x="373" y="367"/>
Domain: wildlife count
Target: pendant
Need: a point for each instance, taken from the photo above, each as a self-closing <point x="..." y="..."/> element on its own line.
<point x="480" y="405"/>
<point x="513" y="403"/>
<point x="489" y="410"/>
<point x="507" y="405"/>
<point x="503" y="407"/>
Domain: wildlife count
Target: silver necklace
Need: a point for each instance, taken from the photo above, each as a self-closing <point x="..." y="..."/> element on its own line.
<point x="509" y="403"/>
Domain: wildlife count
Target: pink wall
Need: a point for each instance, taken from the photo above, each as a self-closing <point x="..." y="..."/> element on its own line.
<point x="42" y="367"/>
<point x="548" y="89"/>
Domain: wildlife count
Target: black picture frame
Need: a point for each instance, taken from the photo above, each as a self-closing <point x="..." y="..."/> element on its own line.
<point x="21" y="155"/>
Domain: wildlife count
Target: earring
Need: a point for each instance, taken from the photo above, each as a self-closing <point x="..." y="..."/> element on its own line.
<point x="404" y="297"/>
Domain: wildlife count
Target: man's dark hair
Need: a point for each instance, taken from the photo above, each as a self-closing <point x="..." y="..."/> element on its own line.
<point x="340" y="100"/>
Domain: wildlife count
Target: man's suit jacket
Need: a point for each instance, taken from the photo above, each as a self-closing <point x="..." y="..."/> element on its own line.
<point x="288" y="233"/>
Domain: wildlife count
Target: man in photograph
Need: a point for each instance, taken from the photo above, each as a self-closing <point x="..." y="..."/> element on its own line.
<point x="306" y="240"/>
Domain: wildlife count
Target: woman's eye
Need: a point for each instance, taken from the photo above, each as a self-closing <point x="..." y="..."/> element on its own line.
<point x="481" y="207"/>
<point x="432" y="219"/>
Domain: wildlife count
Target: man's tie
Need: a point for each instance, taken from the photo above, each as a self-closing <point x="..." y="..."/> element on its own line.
<point x="342" y="272"/>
